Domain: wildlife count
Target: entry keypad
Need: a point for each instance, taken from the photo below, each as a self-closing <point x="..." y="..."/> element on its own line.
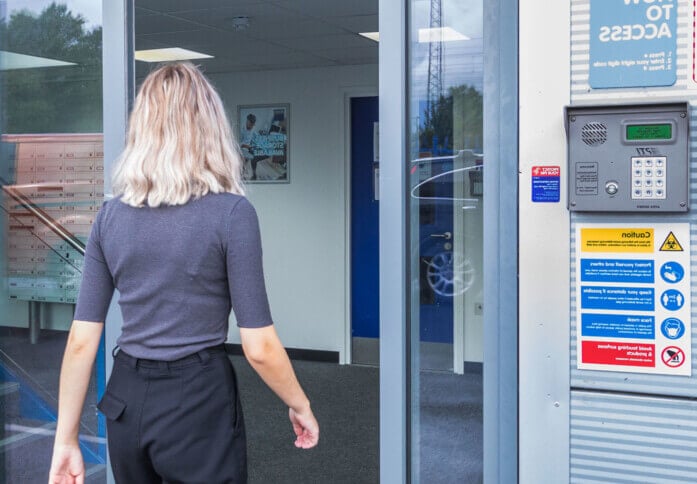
<point x="649" y="177"/>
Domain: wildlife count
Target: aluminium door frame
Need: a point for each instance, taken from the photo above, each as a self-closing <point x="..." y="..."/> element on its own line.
<point x="118" y="84"/>
<point x="500" y="242"/>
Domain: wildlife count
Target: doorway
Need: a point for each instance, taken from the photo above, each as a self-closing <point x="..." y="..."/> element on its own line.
<point x="364" y="228"/>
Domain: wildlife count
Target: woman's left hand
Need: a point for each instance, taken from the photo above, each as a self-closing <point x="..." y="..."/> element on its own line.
<point x="67" y="466"/>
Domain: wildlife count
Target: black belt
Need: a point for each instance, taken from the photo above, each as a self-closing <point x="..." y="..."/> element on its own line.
<point x="200" y="356"/>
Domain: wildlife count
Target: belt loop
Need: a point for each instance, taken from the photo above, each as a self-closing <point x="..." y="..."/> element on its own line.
<point x="116" y="349"/>
<point x="204" y="355"/>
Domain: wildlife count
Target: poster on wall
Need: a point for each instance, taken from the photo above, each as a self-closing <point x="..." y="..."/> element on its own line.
<point x="633" y="298"/>
<point x="263" y="136"/>
<point x="633" y="43"/>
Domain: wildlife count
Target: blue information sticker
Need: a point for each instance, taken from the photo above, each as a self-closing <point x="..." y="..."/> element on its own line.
<point x="672" y="300"/>
<point x="546" y="183"/>
<point x="672" y="328"/>
<point x="672" y="272"/>
<point x="618" y="326"/>
<point x="632" y="43"/>
<point x="617" y="270"/>
<point x="617" y="298"/>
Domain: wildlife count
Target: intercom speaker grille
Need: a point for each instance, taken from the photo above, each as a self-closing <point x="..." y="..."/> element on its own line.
<point x="594" y="134"/>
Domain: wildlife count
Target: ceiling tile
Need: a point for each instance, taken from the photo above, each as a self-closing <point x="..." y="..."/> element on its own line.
<point x="185" y="5"/>
<point x="220" y="17"/>
<point x="331" y="8"/>
<point x="282" y="33"/>
<point x="354" y="55"/>
<point x="356" y="23"/>
<point x="150" y="24"/>
<point x="343" y="41"/>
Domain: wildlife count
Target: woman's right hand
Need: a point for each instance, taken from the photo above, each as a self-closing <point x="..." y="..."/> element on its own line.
<point x="305" y="427"/>
<point x="67" y="466"/>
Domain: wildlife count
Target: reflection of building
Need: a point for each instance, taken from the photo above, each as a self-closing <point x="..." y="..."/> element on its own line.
<point x="3" y="9"/>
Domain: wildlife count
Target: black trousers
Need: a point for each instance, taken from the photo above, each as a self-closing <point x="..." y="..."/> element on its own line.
<point x="175" y="422"/>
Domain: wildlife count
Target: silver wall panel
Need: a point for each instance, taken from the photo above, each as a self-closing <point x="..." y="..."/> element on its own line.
<point x="645" y="429"/>
<point x="635" y="382"/>
<point x="630" y="439"/>
<point x="685" y="89"/>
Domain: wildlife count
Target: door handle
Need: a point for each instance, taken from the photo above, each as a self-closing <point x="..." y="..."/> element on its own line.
<point x="445" y="235"/>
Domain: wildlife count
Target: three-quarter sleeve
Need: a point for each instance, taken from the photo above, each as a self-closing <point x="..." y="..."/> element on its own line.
<point x="244" y="268"/>
<point x="97" y="287"/>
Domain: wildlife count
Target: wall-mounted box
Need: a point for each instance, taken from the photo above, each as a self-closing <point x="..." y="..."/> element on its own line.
<point x="628" y="158"/>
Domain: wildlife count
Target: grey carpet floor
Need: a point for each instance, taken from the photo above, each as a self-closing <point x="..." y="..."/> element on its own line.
<point x="345" y="400"/>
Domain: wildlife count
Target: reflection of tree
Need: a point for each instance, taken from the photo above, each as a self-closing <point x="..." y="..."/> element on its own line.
<point x="53" y="99"/>
<point x="454" y="121"/>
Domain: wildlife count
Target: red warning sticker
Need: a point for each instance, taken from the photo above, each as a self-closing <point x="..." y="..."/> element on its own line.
<point x="673" y="356"/>
<point x="612" y="353"/>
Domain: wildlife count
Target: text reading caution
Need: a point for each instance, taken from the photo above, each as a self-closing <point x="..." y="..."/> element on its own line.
<point x="638" y="240"/>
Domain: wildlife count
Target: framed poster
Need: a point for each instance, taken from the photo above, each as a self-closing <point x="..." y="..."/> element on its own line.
<point x="263" y="134"/>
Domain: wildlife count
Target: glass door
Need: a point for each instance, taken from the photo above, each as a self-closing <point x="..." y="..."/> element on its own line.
<point x="51" y="178"/>
<point x="445" y="213"/>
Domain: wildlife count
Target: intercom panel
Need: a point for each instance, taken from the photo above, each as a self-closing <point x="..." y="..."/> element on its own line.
<point x="629" y="158"/>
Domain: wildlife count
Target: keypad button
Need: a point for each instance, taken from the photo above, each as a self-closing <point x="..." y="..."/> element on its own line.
<point x="648" y="182"/>
<point x="637" y="162"/>
<point x="648" y="193"/>
<point x="660" y="162"/>
<point x="637" y="193"/>
<point x="648" y="162"/>
<point x="637" y="182"/>
<point x="659" y="193"/>
<point x="648" y="172"/>
<point x="659" y="182"/>
<point x="638" y="172"/>
<point x="659" y="172"/>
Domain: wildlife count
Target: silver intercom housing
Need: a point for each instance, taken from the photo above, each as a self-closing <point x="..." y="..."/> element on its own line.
<point x="630" y="158"/>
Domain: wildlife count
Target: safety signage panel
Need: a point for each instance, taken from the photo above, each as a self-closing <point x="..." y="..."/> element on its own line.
<point x="633" y="298"/>
<point x="633" y="43"/>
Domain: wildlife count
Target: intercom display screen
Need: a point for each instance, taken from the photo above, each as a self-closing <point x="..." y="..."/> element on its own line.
<point x="637" y="132"/>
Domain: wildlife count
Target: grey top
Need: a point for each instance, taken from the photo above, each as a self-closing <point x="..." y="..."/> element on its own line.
<point x="179" y="270"/>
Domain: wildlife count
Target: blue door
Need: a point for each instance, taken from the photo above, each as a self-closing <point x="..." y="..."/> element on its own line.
<point x="437" y="282"/>
<point x="365" y="307"/>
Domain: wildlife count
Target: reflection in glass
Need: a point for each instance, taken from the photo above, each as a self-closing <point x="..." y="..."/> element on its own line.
<point x="51" y="174"/>
<point x="445" y="219"/>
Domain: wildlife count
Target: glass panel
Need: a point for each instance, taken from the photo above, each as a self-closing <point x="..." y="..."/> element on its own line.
<point x="445" y="234"/>
<point x="51" y="160"/>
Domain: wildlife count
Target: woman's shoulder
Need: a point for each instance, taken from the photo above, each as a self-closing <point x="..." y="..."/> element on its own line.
<point x="227" y="202"/>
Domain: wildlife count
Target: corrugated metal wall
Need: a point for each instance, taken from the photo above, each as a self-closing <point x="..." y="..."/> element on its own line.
<point x="627" y="427"/>
<point x="632" y="439"/>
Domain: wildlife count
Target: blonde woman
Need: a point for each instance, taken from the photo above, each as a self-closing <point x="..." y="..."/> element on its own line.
<point x="182" y="246"/>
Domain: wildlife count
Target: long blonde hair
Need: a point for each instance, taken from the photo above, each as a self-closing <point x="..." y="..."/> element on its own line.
<point x="179" y="145"/>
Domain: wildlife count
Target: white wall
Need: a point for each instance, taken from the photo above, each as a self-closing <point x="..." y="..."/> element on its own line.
<point x="543" y="246"/>
<point x="303" y="223"/>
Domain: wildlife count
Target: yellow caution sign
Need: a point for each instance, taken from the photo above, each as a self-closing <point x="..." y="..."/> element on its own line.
<point x="617" y="240"/>
<point x="671" y="244"/>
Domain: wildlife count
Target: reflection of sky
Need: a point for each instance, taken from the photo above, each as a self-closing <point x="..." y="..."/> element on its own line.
<point x="462" y="61"/>
<point x="91" y="10"/>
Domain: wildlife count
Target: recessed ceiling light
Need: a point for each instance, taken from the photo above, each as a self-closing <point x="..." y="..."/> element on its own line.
<point x="440" y="34"/>
<point x="371" y="35"/>
<point x="11" y="60"/>
<point x="169" y="54"/>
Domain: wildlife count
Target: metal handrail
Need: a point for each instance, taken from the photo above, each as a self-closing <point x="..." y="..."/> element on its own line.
<point x="44" y="218"/>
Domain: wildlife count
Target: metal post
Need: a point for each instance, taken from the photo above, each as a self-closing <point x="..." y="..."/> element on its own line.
<point x="34" y="321"/>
